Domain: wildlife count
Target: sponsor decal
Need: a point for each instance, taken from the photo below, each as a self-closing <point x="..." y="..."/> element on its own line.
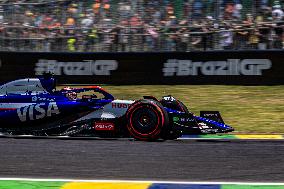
<point x="86" y="67"/>
<point x="37" y="111"/>
<point x="35" y="98"/>
<point x="210" y="115"/>
<point x="174" y="67"/>
<point x="169" y="98"/>
<point x="104" y="126"/>
<point x="7" y="109"/>
<point x="203" y="126"/>
<point x="186" y="119"/>
<point x="175" y="119"/>
<point x="120" y="105"/>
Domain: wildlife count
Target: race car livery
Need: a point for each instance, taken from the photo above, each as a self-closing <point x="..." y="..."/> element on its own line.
<point x="33" y="106"/>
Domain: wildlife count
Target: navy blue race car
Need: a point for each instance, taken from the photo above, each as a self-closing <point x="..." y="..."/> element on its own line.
<point x="33" y="106"/>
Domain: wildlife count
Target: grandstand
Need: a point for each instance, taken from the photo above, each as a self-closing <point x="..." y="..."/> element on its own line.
<point x="140" y="25"/>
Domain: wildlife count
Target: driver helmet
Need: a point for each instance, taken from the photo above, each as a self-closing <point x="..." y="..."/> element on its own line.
<point x="71" y="96"/>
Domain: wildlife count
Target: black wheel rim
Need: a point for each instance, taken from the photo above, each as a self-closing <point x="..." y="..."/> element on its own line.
<point x="144" y="120"/>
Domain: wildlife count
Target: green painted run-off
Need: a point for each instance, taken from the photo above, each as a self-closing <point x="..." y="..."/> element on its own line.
<point x="30" y="185"/>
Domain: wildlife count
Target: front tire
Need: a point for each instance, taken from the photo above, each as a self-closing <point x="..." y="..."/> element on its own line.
<point x="146" y="120"/>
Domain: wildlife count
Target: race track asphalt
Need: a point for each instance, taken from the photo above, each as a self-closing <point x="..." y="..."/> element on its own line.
<point x="183" y="160"/>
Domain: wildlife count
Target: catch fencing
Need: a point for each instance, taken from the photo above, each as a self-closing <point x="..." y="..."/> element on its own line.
<point x="135" y="39"/>
<point x="139" y="26"/>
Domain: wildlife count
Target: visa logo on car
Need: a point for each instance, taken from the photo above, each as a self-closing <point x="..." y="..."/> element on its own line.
<point x="37" y="111"/>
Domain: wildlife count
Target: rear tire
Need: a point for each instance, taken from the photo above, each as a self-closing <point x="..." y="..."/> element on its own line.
<point x="146" y="120"/>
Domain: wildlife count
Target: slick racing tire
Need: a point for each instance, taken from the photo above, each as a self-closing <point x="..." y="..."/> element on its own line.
<point x="146" y="120"/>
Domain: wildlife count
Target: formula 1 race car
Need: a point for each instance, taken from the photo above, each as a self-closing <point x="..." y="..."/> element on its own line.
<point x="34" y="107"/>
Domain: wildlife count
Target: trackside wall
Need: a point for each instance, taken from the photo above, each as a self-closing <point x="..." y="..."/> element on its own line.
<point x="214" y="67"/>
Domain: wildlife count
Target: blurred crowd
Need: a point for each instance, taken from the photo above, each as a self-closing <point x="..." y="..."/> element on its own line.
<point x="140" y="25"/>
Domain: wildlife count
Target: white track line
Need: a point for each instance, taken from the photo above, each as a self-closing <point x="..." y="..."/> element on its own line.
<point x="141" y="181"/>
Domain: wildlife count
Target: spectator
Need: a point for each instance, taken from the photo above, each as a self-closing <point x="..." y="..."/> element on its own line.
<point x="151" y="37"/>
<point x="277" y="13"/>
<point x="237" y="11"/>
<point x="129" y="25"/>
<point x="197" y="9"/>
<point x="254" y="38"/>
<point x="226" y="38"/>
<point x="229" y="10"/>
<point x="70" y="22"/>
<point x="1" y="19"/>
<point x="278" y="37"/>
<point x="87" y="22"/>
<point x="71" y="44"/>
